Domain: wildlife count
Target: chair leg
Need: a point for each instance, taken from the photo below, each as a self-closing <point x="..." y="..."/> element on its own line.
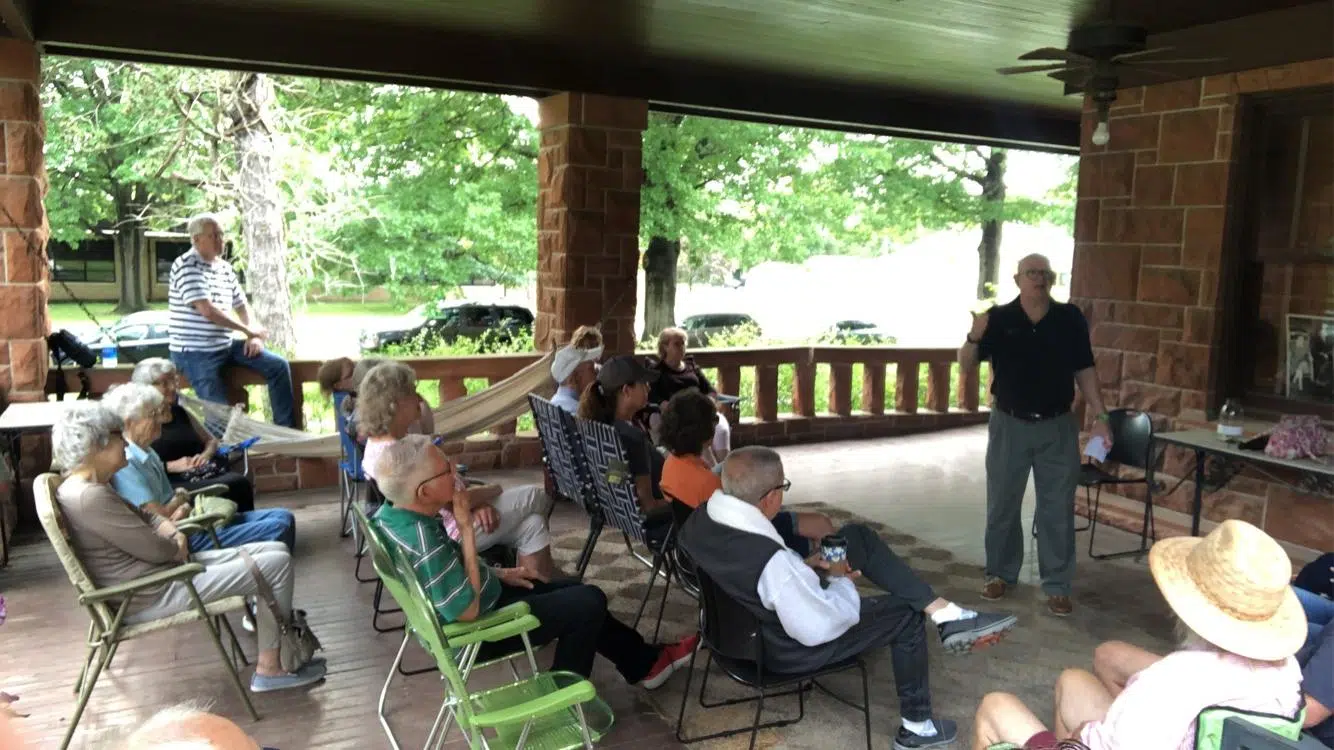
<point x="866" y="702"/>
<point x="759" y="709"/>
<point x="662" y="606"/>
<point x="361" y="556"/>
<point x="1144" y="532"/>
<point x="586" y="555"/>
<point x="685" y="698"/>
<point x="86" y="692"/>
<point x="377" y="612"/>
<point x="227" y="662"/>
<point x="238" y="653"/>
<point x="652" y="576"/>
<point x="384" y="691"/>
<point x="87" y="662"/>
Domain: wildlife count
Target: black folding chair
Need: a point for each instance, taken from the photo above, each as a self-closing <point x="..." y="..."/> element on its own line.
<point x="1133" y="446"/>
<point x="563" y="453"/>
<point x="1239" y="734"/>
<point x="732" y="635"/>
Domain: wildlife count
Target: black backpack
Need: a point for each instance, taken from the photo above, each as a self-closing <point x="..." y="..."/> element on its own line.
<point x="66" y="346"/>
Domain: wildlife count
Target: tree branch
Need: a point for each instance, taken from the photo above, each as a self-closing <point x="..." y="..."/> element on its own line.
<point x="961" y="174"/>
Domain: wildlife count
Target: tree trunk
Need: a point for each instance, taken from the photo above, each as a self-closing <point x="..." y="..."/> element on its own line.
<point x="660" y="284"/>
<point x="993" y="219"/>
<point x="261" y="209"/>
<point x="130" y="251"/>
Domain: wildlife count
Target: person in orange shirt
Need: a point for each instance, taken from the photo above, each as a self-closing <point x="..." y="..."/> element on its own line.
<point x="688" y="423"/>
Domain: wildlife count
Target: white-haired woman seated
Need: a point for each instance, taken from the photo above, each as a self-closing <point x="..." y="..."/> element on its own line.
<point x="187" y="450"/>
<point x="118" y="542"/>
<point x="1241" y="624"/>
<point x="515" y="517"/>
<point x="677" y="372"/>
<point x="144" y="481"/>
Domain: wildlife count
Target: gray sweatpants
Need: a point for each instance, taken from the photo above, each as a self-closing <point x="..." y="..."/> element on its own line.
<point x="227" y="574"/>
<point x="1050" y="449"/>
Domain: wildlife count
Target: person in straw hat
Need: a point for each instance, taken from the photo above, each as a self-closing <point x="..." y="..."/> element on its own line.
<point x="1241" y="624"/>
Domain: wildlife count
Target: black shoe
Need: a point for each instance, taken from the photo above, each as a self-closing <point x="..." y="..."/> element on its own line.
<point x="946" y="731"/>
<point x="979" y="631"/>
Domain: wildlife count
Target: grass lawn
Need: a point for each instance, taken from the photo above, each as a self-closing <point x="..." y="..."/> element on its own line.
<point x="353" y="308"/>
<point x="68" y="313"/>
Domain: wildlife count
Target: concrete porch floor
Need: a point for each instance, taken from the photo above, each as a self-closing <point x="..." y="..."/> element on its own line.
<point x="928" y="486"/>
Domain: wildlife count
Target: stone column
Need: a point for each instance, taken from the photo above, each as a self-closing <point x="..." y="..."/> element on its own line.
<point x="589" y="175"/>
<point x="25" y="288"/>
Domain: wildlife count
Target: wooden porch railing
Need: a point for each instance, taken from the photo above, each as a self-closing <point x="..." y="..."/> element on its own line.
<point x="778" y="385"/>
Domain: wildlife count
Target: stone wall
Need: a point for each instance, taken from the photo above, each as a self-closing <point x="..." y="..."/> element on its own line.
<point x="1149" y="240"/>
<point x="589" y="172"/>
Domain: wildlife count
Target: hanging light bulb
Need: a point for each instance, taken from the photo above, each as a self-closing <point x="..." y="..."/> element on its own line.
<point x="1101" y="134"/>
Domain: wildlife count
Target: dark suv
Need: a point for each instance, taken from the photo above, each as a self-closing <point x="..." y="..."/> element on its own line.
<point x="700" y="328"/>
<point x="443" y="323"/>
<point x="137" y="336"/>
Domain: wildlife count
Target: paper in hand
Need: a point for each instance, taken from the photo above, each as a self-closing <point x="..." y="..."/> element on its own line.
<point x="1096" y="449"/>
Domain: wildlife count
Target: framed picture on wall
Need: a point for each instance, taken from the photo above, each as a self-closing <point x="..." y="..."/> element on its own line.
<point x="1309" y="370"/>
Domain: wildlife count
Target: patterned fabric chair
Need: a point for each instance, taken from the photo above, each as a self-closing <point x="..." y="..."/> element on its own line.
<point x="562" y="451"/>
<point x="615" y="491"/>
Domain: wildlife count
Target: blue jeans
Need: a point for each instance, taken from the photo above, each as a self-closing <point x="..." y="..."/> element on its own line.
<point x="1319" y="613"/>
<point x="270" y="525"/>
<point x="204" y="371"/>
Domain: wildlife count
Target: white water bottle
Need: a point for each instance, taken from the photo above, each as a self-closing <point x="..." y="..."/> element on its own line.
<point x="110" y="356"/>
<point x="1229" y="421"/>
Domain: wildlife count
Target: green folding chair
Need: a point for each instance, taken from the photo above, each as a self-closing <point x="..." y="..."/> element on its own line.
<point x="108" y="606"/>
<point x="550" y="710"/>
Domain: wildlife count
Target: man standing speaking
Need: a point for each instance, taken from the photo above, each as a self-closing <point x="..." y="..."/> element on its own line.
<point x="1038" y="349"/>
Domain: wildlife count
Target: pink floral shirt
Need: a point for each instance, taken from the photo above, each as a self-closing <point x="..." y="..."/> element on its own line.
<point x="1157" y="710"/>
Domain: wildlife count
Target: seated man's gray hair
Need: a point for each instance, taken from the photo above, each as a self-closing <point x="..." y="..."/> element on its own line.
<point x="200" y="224"/>
<point x="133" y="401"/>
<point x="151" y="370"/>
<point x="402" y="466"/>
<point x="752" y="472"/>
<point x="81" y="431"/>
<point x="188" y="726"/>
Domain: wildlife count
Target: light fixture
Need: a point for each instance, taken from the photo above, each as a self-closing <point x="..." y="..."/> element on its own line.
<point x="1100" y="134"/>
<point x="1103" y="97"/>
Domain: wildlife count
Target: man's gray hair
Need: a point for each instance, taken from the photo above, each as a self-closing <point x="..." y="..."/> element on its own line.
<point x="133" y="401"/>
<point x="379" y="393"/>
<point x="83" y="429"/>
<point x="172" y="728"/>
<point x="752" y="472"/>
<point x="402" y="466"/>
<point x="199" y="224"/>
<point x="151" y="370"/>
<point x="362" y="368"/>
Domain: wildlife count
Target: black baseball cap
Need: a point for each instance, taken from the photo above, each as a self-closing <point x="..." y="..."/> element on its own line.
<point x="624" y="370"/>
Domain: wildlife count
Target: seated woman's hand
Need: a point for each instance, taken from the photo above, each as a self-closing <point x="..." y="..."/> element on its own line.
<point x="519" y="577"/>
<point x="180" y="465"/>
<point x="487" y="518"/>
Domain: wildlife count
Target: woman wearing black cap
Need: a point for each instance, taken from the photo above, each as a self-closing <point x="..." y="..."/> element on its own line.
<point x="619" y="393"/>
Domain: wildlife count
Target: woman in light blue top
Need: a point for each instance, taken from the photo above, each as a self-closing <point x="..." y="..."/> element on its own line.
<point x="144" y="480"/>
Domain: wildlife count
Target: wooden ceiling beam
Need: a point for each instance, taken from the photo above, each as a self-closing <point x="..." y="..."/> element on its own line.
<point x="17" y="17"/>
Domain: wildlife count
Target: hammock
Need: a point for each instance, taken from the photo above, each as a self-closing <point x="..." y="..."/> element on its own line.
<point x="454" y="420"/>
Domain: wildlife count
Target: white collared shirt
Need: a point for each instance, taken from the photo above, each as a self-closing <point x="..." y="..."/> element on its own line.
<point x="811" y="614"/>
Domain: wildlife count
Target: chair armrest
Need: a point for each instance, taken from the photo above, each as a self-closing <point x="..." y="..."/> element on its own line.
<point x="202" y="519"/>
<point x="212" y="489"/>
<point x="500" y="632"/>
<point x="502" y="615"/>
<point x="190" y="526"/>
<point x="571" y="695"/>
<point x="182" y="572"/>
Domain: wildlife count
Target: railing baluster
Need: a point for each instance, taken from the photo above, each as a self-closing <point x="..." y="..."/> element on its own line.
<point x="766" y="393"/>
<point x="729" y="383"/>
<point x="452" y="388"/>
<point x="905" y="387"/>
<point x="803" y="387"/>
<point x="840" y="389"/>
<point x="873" y="388"/>
<point x="938" y="387"/>
<point x="967" y="392"/>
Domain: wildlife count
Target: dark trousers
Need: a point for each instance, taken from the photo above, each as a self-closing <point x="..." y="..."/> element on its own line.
<point x="575" y="616"/>
<point x="868" y="553"/>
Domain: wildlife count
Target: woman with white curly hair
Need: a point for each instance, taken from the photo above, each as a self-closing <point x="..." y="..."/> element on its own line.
<point x="144" y="480"/>
<point x="118" y="542"/>
<point x="187" y="450"/>
<point x="514" y="517"/>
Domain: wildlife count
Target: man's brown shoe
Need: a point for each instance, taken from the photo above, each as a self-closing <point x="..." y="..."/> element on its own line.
<point x="1060" y="606"/>
<point x="994" y="589"/>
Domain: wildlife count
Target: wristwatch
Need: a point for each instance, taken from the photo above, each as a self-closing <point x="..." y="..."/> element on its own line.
<point x="1104" y="417"/>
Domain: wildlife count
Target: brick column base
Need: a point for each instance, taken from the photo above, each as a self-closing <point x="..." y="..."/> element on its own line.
<point x="589" y="175"/>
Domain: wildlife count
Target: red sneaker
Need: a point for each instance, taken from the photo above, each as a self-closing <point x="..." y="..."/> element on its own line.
<point x="672" y="657"/>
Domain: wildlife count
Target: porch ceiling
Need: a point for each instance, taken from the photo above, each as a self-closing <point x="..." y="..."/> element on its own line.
<point x="925" y="66"/>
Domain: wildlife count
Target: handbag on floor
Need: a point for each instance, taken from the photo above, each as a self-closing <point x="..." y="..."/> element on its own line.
<point x="297" y="643"/>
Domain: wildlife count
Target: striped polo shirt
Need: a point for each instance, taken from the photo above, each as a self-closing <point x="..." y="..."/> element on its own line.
<point x="193" y="279"/>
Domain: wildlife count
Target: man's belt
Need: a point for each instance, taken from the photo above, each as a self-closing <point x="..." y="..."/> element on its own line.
<point x="1033" y="416"/>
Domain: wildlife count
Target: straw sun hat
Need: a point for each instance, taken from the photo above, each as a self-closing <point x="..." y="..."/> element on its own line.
<point x="1232" y="588"/>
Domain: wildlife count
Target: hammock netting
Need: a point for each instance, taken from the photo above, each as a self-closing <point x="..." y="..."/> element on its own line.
<point x="454" y="420"/>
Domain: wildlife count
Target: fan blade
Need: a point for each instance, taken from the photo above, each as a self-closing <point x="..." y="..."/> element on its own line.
<point x="1142" y="53"/>
<point x="1076" y="77"/>
<point x="1033" y="68"/>
<point x="1182" y="61"/>
<point x="1052" y="53"/>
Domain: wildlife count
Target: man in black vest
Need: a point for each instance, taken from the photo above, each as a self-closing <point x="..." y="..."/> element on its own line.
<point x="1039" y="349"/>
<point x="807" y="624"/>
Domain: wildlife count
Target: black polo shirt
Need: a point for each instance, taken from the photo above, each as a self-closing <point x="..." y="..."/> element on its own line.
<point x="1035" y="363"/>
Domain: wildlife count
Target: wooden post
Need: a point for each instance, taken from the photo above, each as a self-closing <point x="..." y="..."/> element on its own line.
<point x="803" y="388"/>
<point x="766" y="393"/>
<point x="729" y="383"/>
<point x="967" y="394"/>
<point x="905" y="391"/>
<point x="873" y="388"/>
<point x="840" y="389"/>
<point x="938" y="387"/>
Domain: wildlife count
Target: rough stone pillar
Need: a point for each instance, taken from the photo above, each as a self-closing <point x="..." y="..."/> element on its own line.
<point x="25" y="288"/>
<point x="589" y="175"/>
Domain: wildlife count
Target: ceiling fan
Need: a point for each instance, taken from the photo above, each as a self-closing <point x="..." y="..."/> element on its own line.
<point x="1094" y="56"/>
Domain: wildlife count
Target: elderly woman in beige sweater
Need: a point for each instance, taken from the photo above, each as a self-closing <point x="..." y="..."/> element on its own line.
<point x="118" y="542"/>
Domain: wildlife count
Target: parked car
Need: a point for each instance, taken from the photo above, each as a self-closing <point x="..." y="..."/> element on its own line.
<point x="859" y="332"/>
<point x="701" y="328"/>
<point x="137" y="336"/>
<point x="443" y="323"/>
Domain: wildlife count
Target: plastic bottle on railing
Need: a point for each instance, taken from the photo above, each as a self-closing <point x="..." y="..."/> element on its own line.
<point x="110" y="356"/>
<point x="1230" y="421"/>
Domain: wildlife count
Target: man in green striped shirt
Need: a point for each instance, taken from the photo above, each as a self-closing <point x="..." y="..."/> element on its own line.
<point x="419" y="482"/>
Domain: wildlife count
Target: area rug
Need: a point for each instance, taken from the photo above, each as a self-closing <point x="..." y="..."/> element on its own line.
<point x="1111" y="602"/>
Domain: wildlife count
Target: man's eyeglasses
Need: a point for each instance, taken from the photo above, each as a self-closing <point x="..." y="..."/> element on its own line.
<point x="1037" y="273"/>
<point x="785" y="486"/>
<point x="428" y="480"/>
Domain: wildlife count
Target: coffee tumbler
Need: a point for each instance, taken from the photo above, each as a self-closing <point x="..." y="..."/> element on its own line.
<point x="834" y="549"/>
